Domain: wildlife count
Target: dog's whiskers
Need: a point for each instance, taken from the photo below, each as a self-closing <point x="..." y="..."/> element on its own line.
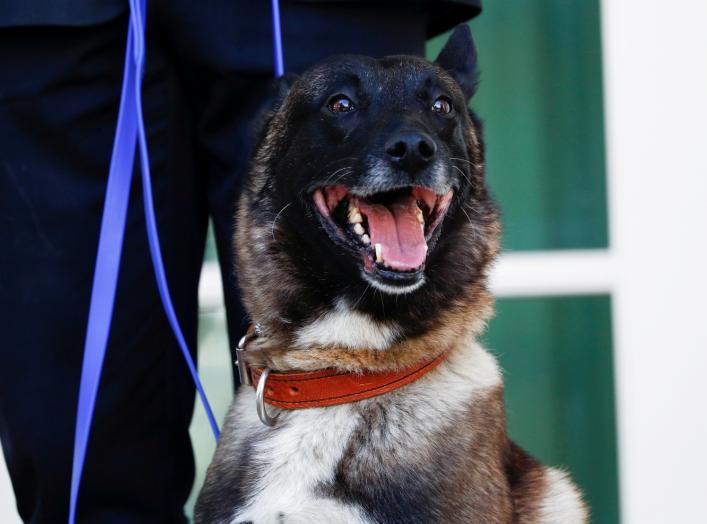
<point x="382" y="305"/>
<point x="368" y="286"/>
<point x="272" y="229"/>
<point x="342" y="159"/>
<point x="466" y="214"/>
<point x="342" y="175"/>
<point x="474" y="232"/>
<point x="461" y="159"/>
<point x="461" y="172"/>
<point x="346" y="170"/>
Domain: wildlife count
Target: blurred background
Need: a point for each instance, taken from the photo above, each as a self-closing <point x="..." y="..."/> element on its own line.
<point x="594" y="128"/>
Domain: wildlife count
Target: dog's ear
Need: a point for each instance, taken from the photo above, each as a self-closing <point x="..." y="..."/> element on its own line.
<point x="281" y="86"/>
<point x="458" y="57"/>
<point x="277" y="91"/>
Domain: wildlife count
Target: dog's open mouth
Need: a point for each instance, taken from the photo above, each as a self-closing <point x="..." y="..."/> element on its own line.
<point x="391" y="230"/>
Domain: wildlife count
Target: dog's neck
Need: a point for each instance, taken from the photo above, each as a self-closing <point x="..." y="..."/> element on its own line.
<point x="354" y="342"/>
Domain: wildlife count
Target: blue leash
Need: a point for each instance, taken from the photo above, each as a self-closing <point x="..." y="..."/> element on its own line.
<point x="130" y="129"/>
<point x="277" y="39"/>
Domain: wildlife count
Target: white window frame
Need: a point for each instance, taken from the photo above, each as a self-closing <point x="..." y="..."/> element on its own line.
<point x="655" y="90"/>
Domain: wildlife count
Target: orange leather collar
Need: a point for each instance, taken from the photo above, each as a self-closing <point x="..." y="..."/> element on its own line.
<point x="329" y="387"/>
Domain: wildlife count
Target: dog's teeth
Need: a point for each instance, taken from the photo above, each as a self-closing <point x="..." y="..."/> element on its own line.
<point x="358" y="229"/>
<point x="365" y="239"/>
<point x="355" y="215"/>
<point x="379" y="253"/>
<point x="420" y="216"/>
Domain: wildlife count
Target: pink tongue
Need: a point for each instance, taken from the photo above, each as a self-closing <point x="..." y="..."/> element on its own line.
<point x="397" y="229"/>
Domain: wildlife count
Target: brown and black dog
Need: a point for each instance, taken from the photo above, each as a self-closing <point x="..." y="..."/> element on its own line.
<point x="365" y="234"/>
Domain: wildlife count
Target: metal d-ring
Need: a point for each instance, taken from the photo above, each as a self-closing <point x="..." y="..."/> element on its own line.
<point x="260" y="400"/>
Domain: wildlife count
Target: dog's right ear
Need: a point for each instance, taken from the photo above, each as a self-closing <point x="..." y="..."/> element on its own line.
<point x="458" y="57"/>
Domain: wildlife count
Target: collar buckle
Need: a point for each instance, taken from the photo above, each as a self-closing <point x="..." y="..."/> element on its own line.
<point x="243" y="374"/>
<point x="254" y="331"/>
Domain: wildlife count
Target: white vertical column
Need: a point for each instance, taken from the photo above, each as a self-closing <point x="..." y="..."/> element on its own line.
<point x="655" y="66"/>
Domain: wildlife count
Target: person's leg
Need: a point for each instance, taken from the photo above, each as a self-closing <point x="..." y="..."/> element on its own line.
<point x="59" y="93"/>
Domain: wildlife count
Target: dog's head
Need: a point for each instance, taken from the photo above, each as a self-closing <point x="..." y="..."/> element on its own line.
<point x="366" y="205"/>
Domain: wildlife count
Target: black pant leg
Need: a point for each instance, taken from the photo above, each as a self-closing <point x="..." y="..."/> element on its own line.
<point x="59" y="93"/>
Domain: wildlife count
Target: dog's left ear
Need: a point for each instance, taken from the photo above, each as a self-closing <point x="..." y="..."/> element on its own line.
<point x="458" y="57"/>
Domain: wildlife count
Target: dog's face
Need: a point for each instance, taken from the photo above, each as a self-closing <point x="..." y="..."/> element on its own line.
<point x="367" y="193"/>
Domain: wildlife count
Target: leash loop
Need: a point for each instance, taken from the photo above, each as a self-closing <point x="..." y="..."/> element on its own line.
<point x="130" y="130"/>
<point x="137" y="16"/>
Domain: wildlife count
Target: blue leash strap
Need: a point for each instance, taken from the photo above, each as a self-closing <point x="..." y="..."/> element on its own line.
<point x="130" y="128"/>
<point x="137" y="19"/>
<point x="129" y="131"/>
<point x="105" y="275"/>
<point x="277" y="39"/>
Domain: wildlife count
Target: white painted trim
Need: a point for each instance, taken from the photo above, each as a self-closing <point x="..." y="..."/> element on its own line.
<point x="210" y="287"/>
<point x="528" y="273"/>
<point x="655" y="71"/>
<point x="550" y="273"/>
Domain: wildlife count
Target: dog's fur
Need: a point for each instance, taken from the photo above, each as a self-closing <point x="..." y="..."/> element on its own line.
<point x="435" y="450"/>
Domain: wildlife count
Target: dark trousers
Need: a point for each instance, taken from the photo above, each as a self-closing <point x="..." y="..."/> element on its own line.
<point x="208" y="69"/>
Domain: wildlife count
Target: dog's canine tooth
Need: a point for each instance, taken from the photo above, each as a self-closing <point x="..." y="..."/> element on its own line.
<point x="358" y="229"/>
<point x="420" y="216"/>
<point x="379" y="253"/>
<point x="365" y="239"/>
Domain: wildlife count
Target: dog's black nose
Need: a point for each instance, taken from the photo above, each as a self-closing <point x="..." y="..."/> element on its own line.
<point x="411" y="150"/>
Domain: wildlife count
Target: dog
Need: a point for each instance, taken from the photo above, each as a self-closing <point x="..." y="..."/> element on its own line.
<point x="365" y="233"/>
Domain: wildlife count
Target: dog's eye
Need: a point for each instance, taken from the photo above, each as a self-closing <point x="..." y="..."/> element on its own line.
<point x="442" y="105"/>
<point x="340" y="104"/>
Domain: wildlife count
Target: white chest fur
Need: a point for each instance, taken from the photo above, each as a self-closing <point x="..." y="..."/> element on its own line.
<point x="295" y="458"/>
<point x="299" y="455"/>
